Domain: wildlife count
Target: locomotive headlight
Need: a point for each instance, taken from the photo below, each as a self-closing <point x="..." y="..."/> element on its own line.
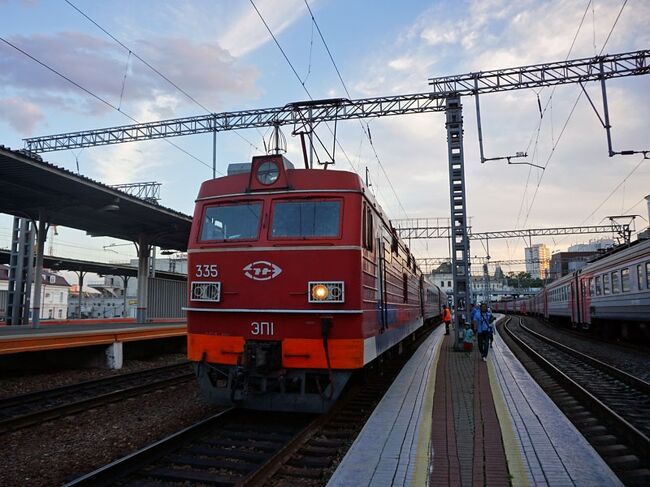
<point x="319" y="292"/>
<point x="326" y="292"/>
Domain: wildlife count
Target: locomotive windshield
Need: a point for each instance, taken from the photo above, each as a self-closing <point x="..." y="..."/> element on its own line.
<point x="303" y="219"/>
<point x="231" y="222"/>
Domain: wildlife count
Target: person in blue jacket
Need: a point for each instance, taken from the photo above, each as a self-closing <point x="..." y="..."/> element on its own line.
<point x="482" y="321"/>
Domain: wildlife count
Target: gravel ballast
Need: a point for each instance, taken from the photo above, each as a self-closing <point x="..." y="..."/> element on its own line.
<point x="16" y="384"/>
<point x="53" y="453"/>
<point x="629" y="360"/>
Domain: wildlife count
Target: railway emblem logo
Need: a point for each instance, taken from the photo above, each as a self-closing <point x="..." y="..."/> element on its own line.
<point x="261" y="270"/>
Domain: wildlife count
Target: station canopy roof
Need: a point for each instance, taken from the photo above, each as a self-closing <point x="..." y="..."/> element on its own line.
<point x="101" y="268"/>
<point x="29" y="186"/>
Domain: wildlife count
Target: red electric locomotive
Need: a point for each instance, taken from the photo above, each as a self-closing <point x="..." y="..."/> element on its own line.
<point x="296" y="279"/>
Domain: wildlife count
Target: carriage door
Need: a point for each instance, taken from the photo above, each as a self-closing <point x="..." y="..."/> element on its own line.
<point x="573" y="302"/>
<point x="422" y="296"/>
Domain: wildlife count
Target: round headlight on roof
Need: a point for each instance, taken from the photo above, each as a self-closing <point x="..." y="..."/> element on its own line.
<point x="268" y="173"/>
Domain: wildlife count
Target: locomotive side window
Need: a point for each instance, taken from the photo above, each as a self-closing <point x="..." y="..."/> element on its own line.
<point x="616" y="287"/>
<point x="647" y="275"/>
<point x="598" y="288"/>
<point x="231" y="222"/>
<point x="592" y="287"/>
<point x="368" y="231"/>
<point x="305" y="219"/>
<point x="625" y="279"/>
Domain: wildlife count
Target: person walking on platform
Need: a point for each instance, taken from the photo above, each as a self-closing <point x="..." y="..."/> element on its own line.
<point x="483" y="323"/>
<point x="446" y="317"/>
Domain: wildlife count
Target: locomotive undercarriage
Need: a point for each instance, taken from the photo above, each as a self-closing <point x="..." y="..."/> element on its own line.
<point x="260" y="382"/>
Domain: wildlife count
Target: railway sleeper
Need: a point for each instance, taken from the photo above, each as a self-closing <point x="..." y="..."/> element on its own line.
<point x="235" y="465"/>
<point x="226" y="453"/>
<point x="613" y="450"/>
<point x="301" y="472"/>
<point x="640" y="476"/>
<point x="624" y="462"/>
<point x="318" y="450"/>
<point x="310" y="461"/>
<point x="268" y="446"/>
<point x="165" y="473"/>
<point x="603" y="439"/>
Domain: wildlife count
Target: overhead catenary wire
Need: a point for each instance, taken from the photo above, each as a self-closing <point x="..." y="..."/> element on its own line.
<point x="571" y="114"/>
<point x="556" y="142"/>
<point x="366" y="129"/>
<point x="150" y="66"/>
<point x="94" y="95"/>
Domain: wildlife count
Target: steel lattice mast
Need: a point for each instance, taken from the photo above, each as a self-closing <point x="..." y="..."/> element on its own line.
<point x="305" y="114"/>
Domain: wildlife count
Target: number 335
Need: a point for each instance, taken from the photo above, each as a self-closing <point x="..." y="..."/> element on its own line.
<point x="206" y="270"/>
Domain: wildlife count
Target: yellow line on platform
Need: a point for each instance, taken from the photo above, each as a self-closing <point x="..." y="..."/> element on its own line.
<point x="514" y="458"/>
<point x="423" y="451"/>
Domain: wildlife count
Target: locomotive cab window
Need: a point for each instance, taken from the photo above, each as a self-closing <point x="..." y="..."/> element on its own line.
<point x="306" y="219"/>
<point x="239" y="221"/>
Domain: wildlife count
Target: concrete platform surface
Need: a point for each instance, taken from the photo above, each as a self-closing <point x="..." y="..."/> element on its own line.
<point x="393" y="446"/>
<point x="547" y="448"/>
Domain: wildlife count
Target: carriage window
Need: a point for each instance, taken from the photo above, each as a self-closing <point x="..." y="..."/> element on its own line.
<point x="592" y="287"/>
<point x="647" y="275"/>
<point x="231" y="222"/>
<point x="616" y="285"/>
<point x="598" y="289"/>
<point x="606" y="288"/>
<point x="639" y="277"/>
<point x="625" y="280"/>
<point x="306" y="219"/>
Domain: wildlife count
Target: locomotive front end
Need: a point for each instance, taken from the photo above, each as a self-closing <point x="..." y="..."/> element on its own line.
<point x="274" y="319"/>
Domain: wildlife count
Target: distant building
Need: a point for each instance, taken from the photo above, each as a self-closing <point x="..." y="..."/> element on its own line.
<point x="563" y="263"/>
<point x="443" y="278"/>
<point x="55" y="292"/>
<point x="538" y="259"/>
<point x="593" y="245"/>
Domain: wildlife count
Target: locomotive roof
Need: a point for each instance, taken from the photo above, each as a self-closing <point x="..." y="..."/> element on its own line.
<point x="298" y="179"/>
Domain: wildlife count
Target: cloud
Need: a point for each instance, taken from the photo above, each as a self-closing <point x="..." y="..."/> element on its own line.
<point x="20" y="114"/>
<point x="247" y="33"/>
<point x="203" y="69"/>
<point x="480" y="35"/>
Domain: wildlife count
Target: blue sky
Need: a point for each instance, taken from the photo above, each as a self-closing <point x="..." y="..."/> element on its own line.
<point x="222" y="55"/>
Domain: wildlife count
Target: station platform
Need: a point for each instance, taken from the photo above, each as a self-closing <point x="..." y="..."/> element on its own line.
<point x="452" y="419"/>
<point x="110" y="337"/>
<point x="16" y="339"/>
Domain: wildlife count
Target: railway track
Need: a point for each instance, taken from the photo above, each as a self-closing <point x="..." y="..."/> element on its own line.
<point x="610" y="407"/>
<point x="239" y="447"/>
<point x="28" y="409"/>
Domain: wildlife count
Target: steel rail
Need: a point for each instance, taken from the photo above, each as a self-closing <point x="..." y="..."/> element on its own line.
<point x="630" y="432"/>
<point x="121" y="467"/>
<point x="623" y="376"/>
<point x="38" y="416"/>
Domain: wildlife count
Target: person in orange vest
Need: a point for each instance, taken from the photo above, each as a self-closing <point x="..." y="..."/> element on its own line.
<point x="446" y="317"/>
